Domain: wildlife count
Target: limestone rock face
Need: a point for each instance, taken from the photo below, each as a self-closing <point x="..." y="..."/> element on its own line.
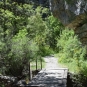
<point x="73" y="14"/>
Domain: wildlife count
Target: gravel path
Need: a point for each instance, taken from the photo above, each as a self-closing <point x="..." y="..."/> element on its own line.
<point x="51" y="62"/>
<point x="52" y="76"/>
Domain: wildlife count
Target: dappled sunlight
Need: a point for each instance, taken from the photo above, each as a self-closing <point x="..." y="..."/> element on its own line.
<point x="52" y="76"/>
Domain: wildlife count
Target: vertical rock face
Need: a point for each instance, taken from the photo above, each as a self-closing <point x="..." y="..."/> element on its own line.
<point x="73" y="14"/>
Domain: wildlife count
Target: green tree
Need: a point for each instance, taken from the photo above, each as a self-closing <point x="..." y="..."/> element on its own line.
<point x="71" y="49"/>
<point x="26" y="35"/>
<point x="23" y="51"/>
<point x="54" y="29"/>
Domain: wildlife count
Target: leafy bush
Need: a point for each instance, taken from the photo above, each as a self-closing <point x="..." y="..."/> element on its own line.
<point x="54" y="28"/>
<point x="22" y="35"/>
<point x="71" y="49"/>
<point x="83" y="68"/>
<point x="46" y="50"/>
<point x="23" y="51"/>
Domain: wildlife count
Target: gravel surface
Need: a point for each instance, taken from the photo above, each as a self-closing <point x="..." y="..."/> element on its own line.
<point x="52" y="76"/>
<point x="51" y="62"/>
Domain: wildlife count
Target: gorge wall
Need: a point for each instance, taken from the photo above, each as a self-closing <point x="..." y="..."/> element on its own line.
<point x="73" y="14"/>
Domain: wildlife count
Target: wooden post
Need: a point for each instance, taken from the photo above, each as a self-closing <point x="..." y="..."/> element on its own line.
<point x="29" y="70"/>
<point x="36" y="63"/>
<point x="41" y="62"/>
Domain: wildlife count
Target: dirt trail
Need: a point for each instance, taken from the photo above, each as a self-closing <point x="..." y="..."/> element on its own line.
<point x="51" y="62"/>
<point x="52" y="76"/>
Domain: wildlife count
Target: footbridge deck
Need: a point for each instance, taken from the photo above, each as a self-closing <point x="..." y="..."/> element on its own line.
<point x="50" y="78"/>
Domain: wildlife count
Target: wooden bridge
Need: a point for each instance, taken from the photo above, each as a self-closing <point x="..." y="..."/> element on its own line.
<point x="50" y="78"/>
<point x="45" y="78"/>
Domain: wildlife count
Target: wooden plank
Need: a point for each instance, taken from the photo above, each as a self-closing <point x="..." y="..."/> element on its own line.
<point x="51" y="78"/>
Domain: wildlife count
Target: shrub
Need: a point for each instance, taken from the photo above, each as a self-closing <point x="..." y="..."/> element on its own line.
<point x="71" y="49"/>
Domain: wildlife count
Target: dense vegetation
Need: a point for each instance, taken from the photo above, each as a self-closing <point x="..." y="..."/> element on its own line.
<point x="29" y="32"/>
<point x="72" y="54"/>
<point x="71" y="51"/>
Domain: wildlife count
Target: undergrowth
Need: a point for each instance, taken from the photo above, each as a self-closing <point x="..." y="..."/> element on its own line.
<point x="72" y="53"/>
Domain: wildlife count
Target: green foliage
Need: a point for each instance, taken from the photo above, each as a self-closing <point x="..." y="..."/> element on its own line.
<point x="23" y="36"/>
<point x="46" y="50"/>
<point x="2" y="84"/>
<point x="1" y="40"/>
<point x="22" y="46"/>
<point x="71" y="49"/>
<point x="83" y="68"/>
<point x="69" y="45"/>
<point x="54" y="29"/>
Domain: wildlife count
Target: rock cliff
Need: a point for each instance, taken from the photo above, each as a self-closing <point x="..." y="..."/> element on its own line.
<point x="73" y="14"/>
